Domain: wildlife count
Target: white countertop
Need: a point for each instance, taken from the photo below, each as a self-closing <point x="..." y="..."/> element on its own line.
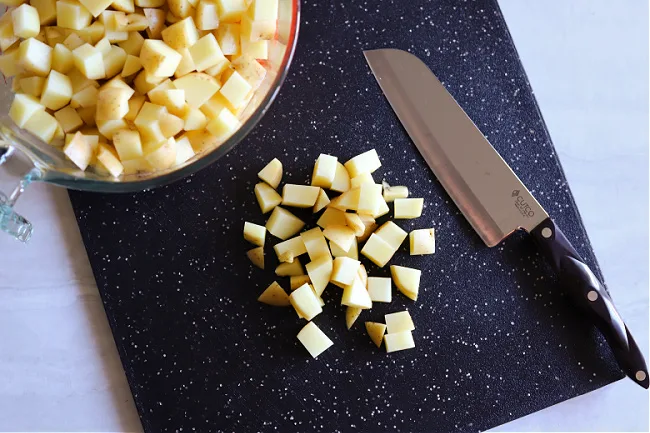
<point x="587" y="61"/>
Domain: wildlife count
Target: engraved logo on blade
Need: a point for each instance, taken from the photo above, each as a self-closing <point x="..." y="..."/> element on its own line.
<point x="521" y="205"/>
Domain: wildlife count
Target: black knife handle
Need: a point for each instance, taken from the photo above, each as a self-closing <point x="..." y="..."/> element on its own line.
<point x="590" y="294"/>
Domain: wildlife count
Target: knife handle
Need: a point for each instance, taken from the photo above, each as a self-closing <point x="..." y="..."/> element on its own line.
<point x="590" y="294"/>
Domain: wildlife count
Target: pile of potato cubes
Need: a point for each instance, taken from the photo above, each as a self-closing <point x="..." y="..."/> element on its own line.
<point x="333" y="248"/>
<point x="129" y="86"/>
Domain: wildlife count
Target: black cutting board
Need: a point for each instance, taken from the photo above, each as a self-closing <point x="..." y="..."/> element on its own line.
<point x="496" y="339"/>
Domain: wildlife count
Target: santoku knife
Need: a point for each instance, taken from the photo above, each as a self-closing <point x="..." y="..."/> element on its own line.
<point x="489" y="193"/>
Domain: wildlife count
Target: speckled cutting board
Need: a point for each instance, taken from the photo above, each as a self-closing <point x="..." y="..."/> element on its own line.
<point x="496" y="339"/>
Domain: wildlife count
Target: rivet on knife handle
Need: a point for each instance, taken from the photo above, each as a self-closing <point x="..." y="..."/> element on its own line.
<point x="590" y="294"/>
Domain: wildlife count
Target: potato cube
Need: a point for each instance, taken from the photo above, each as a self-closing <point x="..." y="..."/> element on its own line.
<point x="351" y="316"/>
<point x="158" y="58"/>
<point x="407" y="280"/>
<point x="330" y="217"/>
<point x="198" y="88"/>
<point x="36" y="57"/>
<point x="382" y="210"/>
<point x="62" y="59"/>
<point x="134" y="166"/>
<point x="366" y="162"/>
<point x="345" y="270"/>
<point x="79" y="150"/>
<point x="69" y="119"/>
<point x="148" y="122"/>
<point x="258" y="50"/>
<point x="115" y="25"/>
<point x="194" y="119"/>
<point x="135" y="104"/>
<point x="113" y="103"/>
<point x="9" y="63"/>
<point x="23" y="107"/>
<point x="356" y="182"/>
<point x="132" y="64"/>
<point x="261" y="30"/>
<point x="228" y="35"/>
<point x="224" y="124"/>
<point x="110" y="162"/>
<point x="341" y="181"/>
<point x="399" y="322"/>
<point x="180" y="8"/>
<point x="376" y="332"/>
<point x="369" y="198"/>
<point x="32" y="85"/>
<point x="263" y="10"/>
<point x="288" y="250"/>
<point x="156" y="19"/>
<point x="186" y="65"/>
<point x="46" y="11"/>
<point x="57" y="91"/>
<point x="406" y="208"/>
<point x="267" y="197"/>
<point x="324" y="170"/>
<point x="72" y="41"/>
<point x="355" y="223"/>
<point x="184" y="150"/>
<point x="352" y="253"/>
<point x="126" y="6"/>
<point x="172" y="99"/>
<point x="315" y="244"/>
<point x="254" y="233"/>
<point x="235" y="90"/>
<point x="305" y="301"/>
<point x="342" y="236"/>
<point x="393" y="192"/>
<point x="423" y="241"/>
<point x="89" y="61"/>
<point x="289" y="269"/>
<point x="380" y="289"/>
<point x="133" y="44"/>
<point x="127" y="144"/>
<point x="170" y="125"/>
<point x="149" y="3"/>
<point x="96" y="7"/>
<point x="26" y="21"/>
<point x="71" y="14"/>
<point x="320" y="272"/>
<point x="231" y="11"/>
<point x="182" y="34"/>
<point x="283" y="224"/>
<point x="297" y="281"/>
<point x="378" y="250"/>
<point x="114" y="61"/>
<point x="206" y="53"/>
<point x="85" y="98"/>
<point x="274" y="295"/>
<point x="272" y="173"/>
<point x="314" y="340"/>
<point x="103" y="45"/>
<point x="93" y="33"/>
<point x="7" y="35"/>
<point x="87" y="114"/>
<point x="299" y="195"/>
<point x="254" y="73"/>
<point x="206" y="15"/>
<point x="370" y="224"/>
<point x="321" y="202"/>
<point x="392" y="234"/>
<point x="356" y="295"/>
<point x="202" y="140"/>
<point x="42" y="125"/>
<point x="108" y="127"/>
<point x="398" y="341"/>
<point x="349" y="200"/>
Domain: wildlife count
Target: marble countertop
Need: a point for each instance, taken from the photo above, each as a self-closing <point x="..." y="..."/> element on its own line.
<point x="587" y="61"/>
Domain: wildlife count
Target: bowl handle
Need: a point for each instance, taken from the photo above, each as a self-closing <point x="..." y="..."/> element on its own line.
<point x="16" y="172"/>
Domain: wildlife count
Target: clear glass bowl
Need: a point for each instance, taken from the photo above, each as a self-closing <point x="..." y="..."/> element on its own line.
<point x="24" y="158"/>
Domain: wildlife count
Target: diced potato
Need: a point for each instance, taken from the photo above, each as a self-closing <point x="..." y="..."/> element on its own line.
<point x="23" y="107"/>
<point x="256" y="256"/>
<point x="235" y="90"/>
<point x="393" y="192"/>
<point x="398" y="341"/>
<point x="272" y="173"/>
<point x="198" y="88"/>
<point x="342" y="236"/>
<point x="345" y="270"/>
<point x="180" y="8"/>
<point x="87" y="114"/>
<point x="134" y="166"/>
<point x="69" y="119"/>
<point x="399" y="322"/>
<point x="182" y="34"/>
<point x="73" y="41"/>
<point x="258" y="30"/>
<point x="351" y="316"/>
<point x="62" y="59"/>
<point x="36" y="57"/>
<point x="356" y="295"/>
<point x="289" y="250"/>
<point x="324" y="170"/>
<point x="306" y="302"/>
<point x="132" y="64"/>
<point x="392" y="234"/>
<point x="171" y="125"/>
<point x="108" y="159"/>
<point x="267" y="197"/>
<point x="85" y="98"/>
<point x="257" y="50"/>
<point x="158" y="58"/>
<point x="32" y="85"/>
<point x="321" y="202"/>
<point x="7" y="35"/>
<point x="369" y="198"/>
<point x="96" y="7"/>
<point x="406" y="208"/>
<point x="367" y="162"/>
<point x="355" y="223"/>
<point x="407" y="280"/>
<point x="71" y="14"/>
<point x="298" y="281"/>
<point x="57" y="91"/>
<point x="156" y="19"/>
<point x="380" y="289"/>
<point x="349" y="200"/>
<point x="114" y="61"/>
<point x="263" y="10"/>
<point x="128" y="144"/>
<point x="356" y="182"/>
<point x="9" y="63"/>
<point x="254" y="73"/>
<point x="202" y="140"/>
<point x="89" y="61"/>
<point x="314" y="340"/>
<point x="42" y="125"/>
<point x="299" y="195"/>
<point x="352" y="253"/>
<point x="186" y="65"/>
<point x="149" y="3"/>
<point x="133" y="44"/>
<point x="113" y="103"/>
<point x="315" y="243"/>
<point x="376" y="332"/>
<point x="289" y="269"/>
<point x="206" y="15"/>
<point x="135" y="104"/>
<point x="330" y="217"/>
<point x="254" y="233"/>
<point x="126" y="6"/>
<point x="231" y="11"/>
<point x="275" y="295"/>
<point x="46" y="11"/>
<point x="26" y="21"/>
<point x="382" y="210"/>
<point x="423" y="241"/>
<point x="184" y="150"/>
<point x="378" y="250"/>
<point x="108" y="127"/>
<point x="341" y="181"/>
<point x="93" y="33"/>
<point x="228" y="35"/>
<point x="224" y="124"/>
<point x="320" y="272"/>
<point x="283" y="224"/>
<point x="161" y="155"/>
<point x="363" y="275"/>
<point x="115" y="23"/>
<point x="206" y="53"/>
<point x="79" y="150"/>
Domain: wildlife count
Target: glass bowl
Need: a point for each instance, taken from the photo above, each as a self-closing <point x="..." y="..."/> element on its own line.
<point x="24" y="158"/>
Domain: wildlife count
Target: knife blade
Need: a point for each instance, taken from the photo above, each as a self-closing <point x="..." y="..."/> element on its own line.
<point x="489" y="193"/>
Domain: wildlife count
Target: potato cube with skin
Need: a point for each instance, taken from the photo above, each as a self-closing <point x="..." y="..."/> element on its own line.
<point x="182" y="34"/>
<point x="109" y="161"/>
<point x="289" y="250"/>
<point x="380" y="289"/>
<point x="156" y="19"/>
<point x="89" y="61"/>
<point x="69" y="119"/>
<point x="345" y="270"/>
<point x="57" y="91"/>
<point x="351" y="316"/>
<point x="275" y="295"/>
<point x="297" y="281"/>
<point x="180" y="8"/>
<point x="198" y="88"/>
<point x="378" y="250"/>
<point x="135" y="104"/>
<point x="93" y="33"/>
<point x="112" y="103"/>
<point x="407" y="208"/>
<point x="46" y="11"/>
<point x="272" y="173"/>
<point x="352" y="253"/>
<point x="231" y="11"/>
<point x="331" y="217"/>
<point x="324" y="169"/>
<point x="148" y="121"/>
<point x="289" y="269"/>
<point x="392" y="234"/>
<point x="320" y="272"/>
<point x="376" y="332"/>
<point x="161" y="155"/>
<point x="103" y="45"/>
<point x="172" y="99"/>
<point x="158" y="58"/>
<point x="283" y="224"/>
<point x="355" y="223"/>
<point x="305" y="301"/>
<point x="342" y="236"/>
<point x="315" y="243"/>
<point x="32" y="85"/>
<point x="36" y="57"/>
<point x="423" y="241"/>
<point x="407" y="280"/>
<point x="127" y="6"/>
<point x="254" y="233"/>
<point x="393" y="192"/>
<point x="79" y="150"/>
<point x="258" y="30"/>
<point x="251" y="70"/>
<point x="321" y="202"/>
<point x="128" y="144"/>
<point x="71" y="14"/>
<point x="399" y="322"/>
<point x="206" y="53"/>
<point x="341" y="181"/>
<point x="399" y="341"/>
<point x="267" y="197"/>
<point x="224" y="124"/>
<point x="133" y="44"/>
<point x="206" y="15"/>
<point x="184" y="150"/>
<point x="299" y="195"/>
<point x="314" y="340"/>
<point x="228" y="35"/>
<point x="356" y="295"/>
<point x="26" y="21"/>
<point x="108" y="127"/>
